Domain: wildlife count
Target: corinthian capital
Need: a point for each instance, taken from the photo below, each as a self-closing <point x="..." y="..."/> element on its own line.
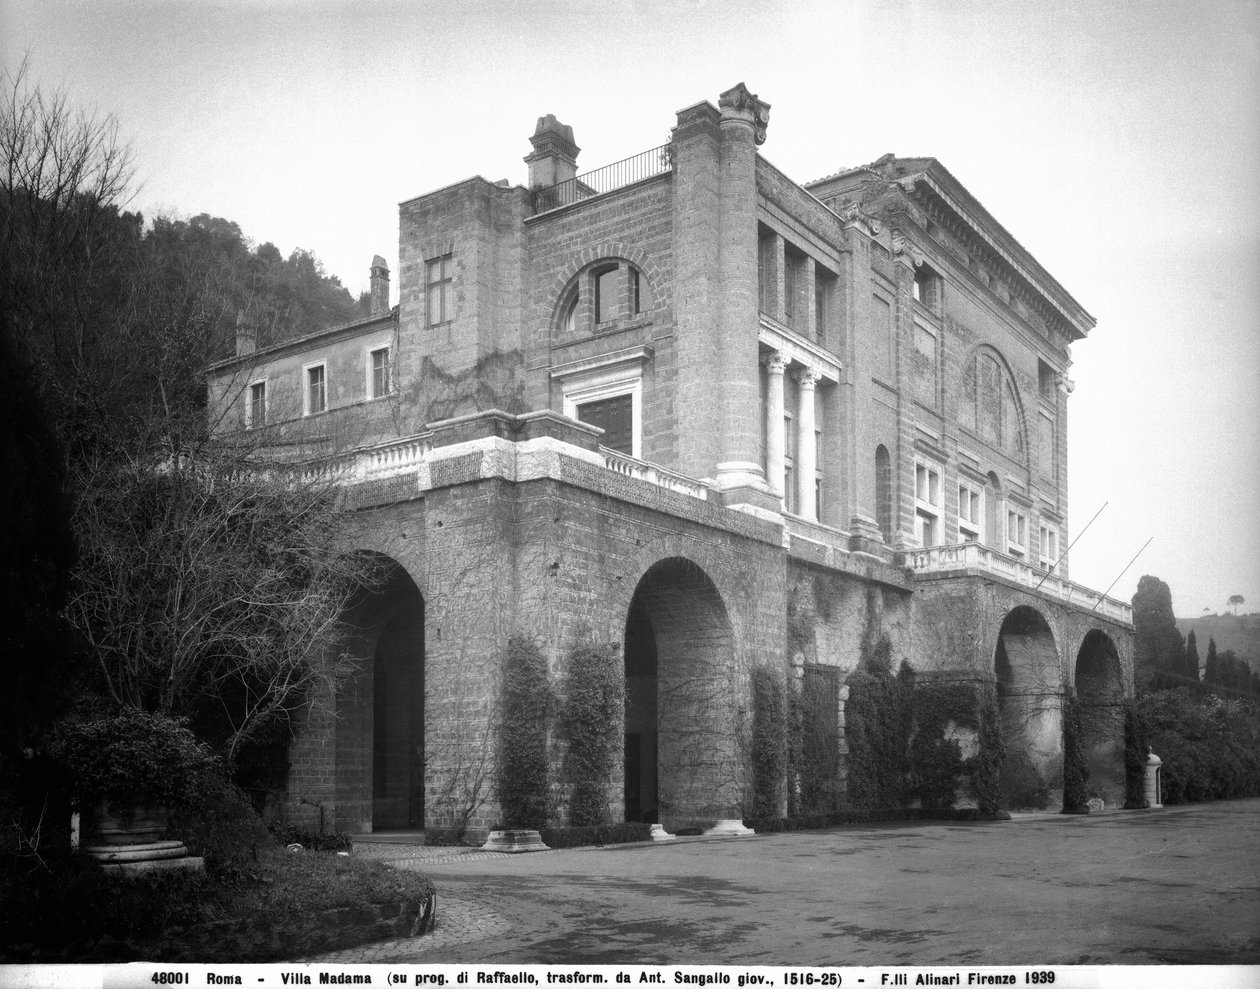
<point x="739" y="102"/>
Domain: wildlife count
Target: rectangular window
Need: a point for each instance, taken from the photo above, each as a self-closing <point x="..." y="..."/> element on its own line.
<point x="635" y="304"/>
<point x="438" y="290"/>
<point x="970" y="514"/>
<point x="316" y="390"/>
<point x="791" y="276"/>
<point x="1016" y="533"/>
<point x="257" y="411"/>
<point x="820" y="310"/>
<point x="927" y="288"/>
<point x="606" y="295"/>
<point x="615" y="416"/>
<point x="1049" y="546"/>
<point x="1045" y="380"/>
<point x="379" y="370"/>
<point x="927" y="503"/>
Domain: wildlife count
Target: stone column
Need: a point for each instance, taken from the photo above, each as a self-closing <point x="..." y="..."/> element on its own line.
<point x="806" y="450"/>
<point x="776" y="364"/>
<point x="742" y="124"/>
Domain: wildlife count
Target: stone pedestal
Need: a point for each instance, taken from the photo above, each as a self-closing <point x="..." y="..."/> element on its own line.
<point x="728" y="829"/>
<point x="514" y="841"/>
<point x="146" y="857"/>
<point x="659" y="833"/>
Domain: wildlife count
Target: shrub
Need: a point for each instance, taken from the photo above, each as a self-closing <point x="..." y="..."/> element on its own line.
<point x="937" y="764"/>
<point x="814" y="749"/>
<point x="524" y="766"/>
<point x="217" y="822"/>
<point x="877" y="725"/>
<point x="594" y="711"/>
<point x="768" y="742"/>
<point x="986" y="766"/>
<point x="132" y="754"/>
<point x="1210" y="746"/>
<point x="1135" y="749"/>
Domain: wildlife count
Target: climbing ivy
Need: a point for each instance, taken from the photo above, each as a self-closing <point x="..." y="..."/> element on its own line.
<point x="1135" y="749"/>
<point x="524" y="766"/>
<point x="877" y="725"/>
<point x="594" y="709"/>
<point x="769" y="743"/>
<point x="936" y="758"/>
<point x="1075" y="766"/>
<point x="986" y="765"/>
<point x="814" y="748"/>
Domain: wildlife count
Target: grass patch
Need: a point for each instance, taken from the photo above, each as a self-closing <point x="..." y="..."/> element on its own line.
<point x="67" y="910"/>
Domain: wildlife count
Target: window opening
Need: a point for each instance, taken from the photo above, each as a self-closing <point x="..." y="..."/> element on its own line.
<point x="438" y="290"/>
<point x="381" y="384"/>
<point x="257" y="405"/>
<point x="316" y="390"/>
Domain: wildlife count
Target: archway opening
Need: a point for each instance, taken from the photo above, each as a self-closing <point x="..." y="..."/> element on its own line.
<point x="380" y="748"/>
<point x="1100" y="692"/>
<point x="1030" y="703"/>
<point x="681" y="757"/>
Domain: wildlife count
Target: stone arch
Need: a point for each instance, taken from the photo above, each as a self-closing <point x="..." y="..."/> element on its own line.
<point x="990" y="403"/>
<point x="563" y="291"/>
<point x="682" y="766"/>
<point x="380" y="733"/>
<point x="1030" y="702"/>
<point x="1099" y="681"/>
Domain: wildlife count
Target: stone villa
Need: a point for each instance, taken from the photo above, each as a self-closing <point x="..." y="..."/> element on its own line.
<point x="666" y="403"/>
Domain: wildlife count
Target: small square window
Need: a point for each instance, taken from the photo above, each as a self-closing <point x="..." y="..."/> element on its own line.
<point x="316" y="390"/>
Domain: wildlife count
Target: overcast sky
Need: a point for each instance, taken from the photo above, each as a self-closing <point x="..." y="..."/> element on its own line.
<point x="1117" y="141"/>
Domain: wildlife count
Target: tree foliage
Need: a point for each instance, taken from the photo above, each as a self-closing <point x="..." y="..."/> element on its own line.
<point x="201" y="582"/>
<point x="1159" y="659"/>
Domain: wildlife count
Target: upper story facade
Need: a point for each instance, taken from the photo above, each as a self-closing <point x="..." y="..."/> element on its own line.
<point x="869" y="356"/>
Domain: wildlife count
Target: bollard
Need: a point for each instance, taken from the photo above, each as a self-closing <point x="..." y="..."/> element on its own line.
<point x="1154" y="784"/>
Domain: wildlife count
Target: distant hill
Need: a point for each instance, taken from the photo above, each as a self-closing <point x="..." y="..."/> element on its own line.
<point x="1241" y="634"/>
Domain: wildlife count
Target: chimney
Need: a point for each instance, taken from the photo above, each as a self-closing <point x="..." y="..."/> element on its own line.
<point x="554" y="158"/>
<point x="379" y="291"/>
<point x="246" y="335"/>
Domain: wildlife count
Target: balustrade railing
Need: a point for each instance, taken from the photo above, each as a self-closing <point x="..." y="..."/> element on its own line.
<point x="660" y="476"/>
<point x="644" y="165"/>
<point x="941" y="559"/>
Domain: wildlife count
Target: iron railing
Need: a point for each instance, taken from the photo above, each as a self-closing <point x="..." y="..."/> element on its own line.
<point x="644" y="165"/>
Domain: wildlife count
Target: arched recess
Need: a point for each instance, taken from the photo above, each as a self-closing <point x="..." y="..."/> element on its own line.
<point x="380" y="735"/>
<point x="1030" y="703"/>
<point x="1100" y="691"/>
<point x="989" y="403"/>
<point x="682" y="766"/>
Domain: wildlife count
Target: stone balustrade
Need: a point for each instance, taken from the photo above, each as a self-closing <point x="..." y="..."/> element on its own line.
<point x="973" y="556"/>
<point x="653" y="474"/>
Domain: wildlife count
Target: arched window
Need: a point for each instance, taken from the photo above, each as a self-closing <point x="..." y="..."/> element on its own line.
<point x="603" y="296"/>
